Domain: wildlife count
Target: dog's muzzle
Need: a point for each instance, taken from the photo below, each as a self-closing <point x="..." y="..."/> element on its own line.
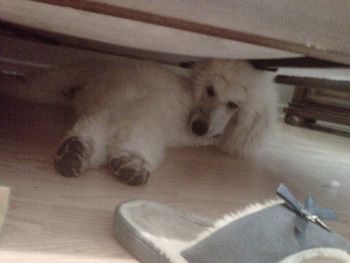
<point x="200" y="127"/>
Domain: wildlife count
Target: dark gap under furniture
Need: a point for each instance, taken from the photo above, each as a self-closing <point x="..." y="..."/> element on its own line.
<point x="315" y="99"/>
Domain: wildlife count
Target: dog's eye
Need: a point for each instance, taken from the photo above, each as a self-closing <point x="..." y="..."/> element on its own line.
<point x="210" y="91"/>
<point x="231" y="105"/>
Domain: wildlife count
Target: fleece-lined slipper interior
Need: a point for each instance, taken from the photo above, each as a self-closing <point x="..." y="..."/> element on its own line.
<point x="156" y="233"/>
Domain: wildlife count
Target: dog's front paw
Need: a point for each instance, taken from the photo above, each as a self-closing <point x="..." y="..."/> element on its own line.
<point x="130" y="169"/>
<point x="72" y="157"/>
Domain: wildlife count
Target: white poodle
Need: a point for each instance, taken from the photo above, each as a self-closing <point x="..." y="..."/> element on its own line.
<point x="130" y="111"/>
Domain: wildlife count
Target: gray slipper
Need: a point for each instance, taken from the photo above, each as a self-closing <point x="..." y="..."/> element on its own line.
<point x="261" y="233"/>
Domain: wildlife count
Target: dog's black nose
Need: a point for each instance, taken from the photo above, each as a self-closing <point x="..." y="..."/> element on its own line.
<point x="200" y="127"/>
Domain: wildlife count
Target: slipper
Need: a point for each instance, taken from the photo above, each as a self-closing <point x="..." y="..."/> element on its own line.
<point x="261" y="233"/>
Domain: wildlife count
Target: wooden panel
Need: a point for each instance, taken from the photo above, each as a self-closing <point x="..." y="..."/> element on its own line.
<point x="56" y="39"/>
<point x="316" y="27"/>
<point x="305" y="62"/>
<point x="311" y="82"/>
<point x="126" y="32"/>
<point x="17" y="68"/>
<point x="338" y="98"/>
<point x="321" y="24"/>
<point x="320" y="112"/>
<point x="40" y="55"/>
<point x="311" y="104"/>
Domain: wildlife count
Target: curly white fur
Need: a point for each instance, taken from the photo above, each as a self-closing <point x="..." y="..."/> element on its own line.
<point x="253" y="91"/>
<point x="142" y="107"/>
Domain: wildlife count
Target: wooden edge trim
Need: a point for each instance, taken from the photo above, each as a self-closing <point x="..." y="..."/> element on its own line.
<point x="172" y="22"/>
<point x="303" y="62"/>
<point x="310" y="82"/>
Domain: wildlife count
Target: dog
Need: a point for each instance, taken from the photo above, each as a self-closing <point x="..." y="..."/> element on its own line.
<point x="130" y="111"/>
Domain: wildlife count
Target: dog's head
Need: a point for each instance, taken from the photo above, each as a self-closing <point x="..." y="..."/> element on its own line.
<point x="218" y="96"/>
<point x="227" y="96"/>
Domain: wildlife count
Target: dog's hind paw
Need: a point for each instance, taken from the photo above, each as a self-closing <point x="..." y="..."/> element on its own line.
<point x="72" y="157"/>
<point x="130" y="169"/>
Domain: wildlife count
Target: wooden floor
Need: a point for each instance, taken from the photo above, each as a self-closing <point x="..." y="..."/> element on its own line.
<point x="57" y="219"/>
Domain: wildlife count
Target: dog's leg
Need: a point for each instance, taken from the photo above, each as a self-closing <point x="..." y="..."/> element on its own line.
<point x="133" y="160"/>
<point x="83" y="146"/>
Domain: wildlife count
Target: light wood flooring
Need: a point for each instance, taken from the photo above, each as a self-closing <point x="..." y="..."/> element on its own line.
<point x="57" y="219"/>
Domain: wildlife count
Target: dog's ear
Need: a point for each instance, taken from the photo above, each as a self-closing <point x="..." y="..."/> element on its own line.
<point x="246" y="130"/>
